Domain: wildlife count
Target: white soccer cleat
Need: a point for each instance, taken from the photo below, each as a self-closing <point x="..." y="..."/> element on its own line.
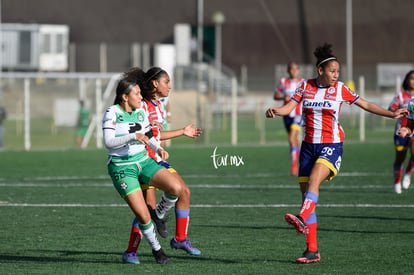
<point x="406" y="181"/>
<point x="397" y="188"/>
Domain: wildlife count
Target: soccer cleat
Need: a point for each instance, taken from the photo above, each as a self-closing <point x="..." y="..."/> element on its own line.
<point x="160" y="257"/>
<point x="406" y="181"/>
<point x="159" y="223"/>
<point x="185" y="245"/>
<point x="309" y="257"/>
<point x="297" y="222"/>
<point x="130" y="258"/>
<point x="397" y="188"/>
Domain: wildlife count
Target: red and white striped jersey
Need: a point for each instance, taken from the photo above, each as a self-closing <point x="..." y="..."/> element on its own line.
<point x="155" y="112"/>
<point x="287" y="88"/>
<point x="320" y="108"/>
<point x="400" y="101"/>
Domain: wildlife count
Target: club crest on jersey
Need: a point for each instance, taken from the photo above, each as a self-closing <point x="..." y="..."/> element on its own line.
<point x="140" y="117"/>
<point x="123" y="185"/>
<point x="330" y="93"/>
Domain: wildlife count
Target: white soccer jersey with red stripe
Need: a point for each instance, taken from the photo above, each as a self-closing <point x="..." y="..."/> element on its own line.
<point x="287" y="87"/>
<point x="401" y="100"/>
<point x="320" y="110"/>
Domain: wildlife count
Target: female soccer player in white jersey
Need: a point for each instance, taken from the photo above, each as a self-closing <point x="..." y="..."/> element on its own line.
<point x="284" y="91"/>
<point x="126" y="132"/>
<point x="155" y="84"/>
<point x="321" y="150"/>
<point x="401" y="145"/>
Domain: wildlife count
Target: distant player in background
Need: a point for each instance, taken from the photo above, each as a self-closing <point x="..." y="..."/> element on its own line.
<point x="406" y="129"/>
<point x="155" y="84"/>
<point x="82" y="123"/>
<point x="321" y="150"/>
<point x="401" y="145"/>
<point x="3" y="116"/>
<point x="284" y="91"/>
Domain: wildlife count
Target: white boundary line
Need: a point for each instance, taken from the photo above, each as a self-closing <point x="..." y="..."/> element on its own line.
<point x="81" y="205"/>
<point x="293" y="185"/>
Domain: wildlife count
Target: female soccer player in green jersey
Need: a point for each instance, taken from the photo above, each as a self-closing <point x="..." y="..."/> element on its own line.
<point x="127" y="131"/>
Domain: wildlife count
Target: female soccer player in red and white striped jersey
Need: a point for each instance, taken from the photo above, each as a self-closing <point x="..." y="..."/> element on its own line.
<point x="284" y="91"/>
<point x="321" y="150"/>
<point x="401" y="145"/>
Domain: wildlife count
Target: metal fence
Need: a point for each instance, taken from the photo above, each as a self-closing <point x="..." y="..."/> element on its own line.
<point x="42" y="109"/>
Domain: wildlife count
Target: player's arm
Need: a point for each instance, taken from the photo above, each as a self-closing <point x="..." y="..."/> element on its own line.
<point x="154" y="144"/>
<point x="189" y="131"/>
<point x="282" y="111"/>
<point x="375" y="109"/>
<point x="406" y="128"/>
<point x="278" y="95"/>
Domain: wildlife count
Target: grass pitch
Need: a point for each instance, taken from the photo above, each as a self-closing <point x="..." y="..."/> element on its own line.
<point x="60" y="214"/>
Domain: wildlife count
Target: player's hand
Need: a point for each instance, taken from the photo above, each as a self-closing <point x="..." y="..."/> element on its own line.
<point x="404" y="132"/>
<point x="155" y="123"/>
<point x="142" y="138"/>
<point x="163" y="154"/>
<point x="400" y="113"/>
<point x="270" y="112"/>
<point x="191" y="132"/>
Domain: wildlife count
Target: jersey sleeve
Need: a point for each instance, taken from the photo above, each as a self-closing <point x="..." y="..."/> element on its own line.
<point x="279" y="87"/>
<point x="299" y="92"/>
<point x="109" y="119"/>
<point x="109" y="135"/>
<point x="348" y="95"/>
<point x="395" y="103"/>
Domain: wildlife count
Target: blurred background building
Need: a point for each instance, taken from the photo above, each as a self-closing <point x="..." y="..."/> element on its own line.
<point x="256" y="34"/>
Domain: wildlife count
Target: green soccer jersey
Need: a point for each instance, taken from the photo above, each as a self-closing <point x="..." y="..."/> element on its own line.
<point x="120" y="128"/>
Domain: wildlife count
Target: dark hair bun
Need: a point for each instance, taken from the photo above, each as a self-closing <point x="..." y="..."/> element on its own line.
<point x="323" y="53"/>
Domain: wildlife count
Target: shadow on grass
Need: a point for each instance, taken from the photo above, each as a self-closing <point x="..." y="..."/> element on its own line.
<point x="368" y="218"/>
<point x="319" y="228"/>
<point x="66" y="256"/>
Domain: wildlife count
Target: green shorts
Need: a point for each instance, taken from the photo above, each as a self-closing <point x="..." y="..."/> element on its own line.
<point x="127" y="178"/>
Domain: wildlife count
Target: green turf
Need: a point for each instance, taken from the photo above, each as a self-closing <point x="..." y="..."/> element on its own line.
<point x="74" y="222"/>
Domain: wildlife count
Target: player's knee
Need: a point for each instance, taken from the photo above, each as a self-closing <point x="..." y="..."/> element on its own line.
<point x="186" y="193"/>
<point x="175" y="188"/>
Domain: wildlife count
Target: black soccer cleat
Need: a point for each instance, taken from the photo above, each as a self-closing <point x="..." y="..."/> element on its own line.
<point x="160" y="257"/>
<point x="159" y="223"/>
<point x="309" y="257"/>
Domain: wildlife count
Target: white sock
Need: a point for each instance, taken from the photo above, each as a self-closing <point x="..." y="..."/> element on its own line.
<point x="148" y="230"/>
<point x="165" y="204"/>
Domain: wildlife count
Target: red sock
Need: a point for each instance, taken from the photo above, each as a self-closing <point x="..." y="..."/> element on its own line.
<point x="409" y="168"/>
<point x="181" y="227"/>
<point x="134" y="239"/>
<point x="309" y="202"/>
<point x="294" y="154"/>
<point x="311" y="237"/>
<point x="397" y="173"/>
